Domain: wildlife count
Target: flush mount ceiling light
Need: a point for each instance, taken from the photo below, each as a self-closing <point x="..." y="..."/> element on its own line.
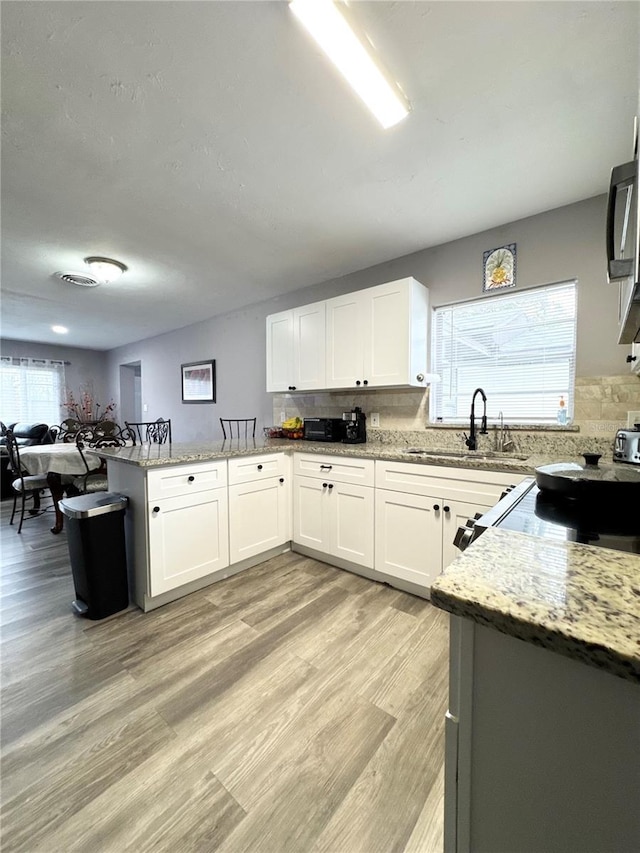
<point x="330" y="29"/>
<point x="59" y="330"/>
<point x="105" y="269"/>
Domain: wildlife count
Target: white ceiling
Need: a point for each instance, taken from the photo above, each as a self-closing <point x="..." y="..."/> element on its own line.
<point x="212" y="148"/>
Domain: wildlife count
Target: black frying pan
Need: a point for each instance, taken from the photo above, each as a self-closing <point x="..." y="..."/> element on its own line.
<point x="611" y="483"/>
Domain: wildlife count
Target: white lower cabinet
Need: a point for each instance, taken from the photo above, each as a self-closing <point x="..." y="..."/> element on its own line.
<point x="188" y="538"/>
<point x="189" y="523"/>
<point x="334" y="518"/>
<point x="408" y="537"/>
<point x="414" y="534"/>
<point x="419" y="508"/>
<point x="259" y="504"/>
<point x="258" y="517"/>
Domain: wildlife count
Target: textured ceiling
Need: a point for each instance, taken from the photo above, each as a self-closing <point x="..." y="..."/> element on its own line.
<point x="212" y="148"/>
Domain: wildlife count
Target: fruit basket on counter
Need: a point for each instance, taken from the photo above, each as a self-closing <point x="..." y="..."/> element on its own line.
<point x="292" y="433"/>
<point x="293" y="428"/>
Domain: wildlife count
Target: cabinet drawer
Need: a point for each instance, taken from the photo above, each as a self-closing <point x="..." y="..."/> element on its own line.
<point x="246" y="469"/>
<point x="186" y="479"/>
<point x="338" y="469"/>
<point x="484" y="487"/>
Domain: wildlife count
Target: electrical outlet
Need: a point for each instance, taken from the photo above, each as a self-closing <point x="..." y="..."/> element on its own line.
<point x="145" y="408"/>
<point x="632" y="418"/>
<point x="283" y="417"/>
<point x="374" y="419"/>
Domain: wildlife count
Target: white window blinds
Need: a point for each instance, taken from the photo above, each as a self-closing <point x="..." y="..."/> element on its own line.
<point x="520" y="348"/>
<point x="30" y="390"/>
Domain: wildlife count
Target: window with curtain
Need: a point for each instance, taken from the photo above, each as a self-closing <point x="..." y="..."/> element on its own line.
<point x="519" y="347"/>
<point x="31" y="390"/>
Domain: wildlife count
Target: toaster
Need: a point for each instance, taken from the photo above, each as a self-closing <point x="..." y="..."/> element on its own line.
<point x="626" y="447"/>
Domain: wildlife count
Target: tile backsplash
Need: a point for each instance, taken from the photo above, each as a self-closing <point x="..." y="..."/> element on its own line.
<point x="600" y="408"/>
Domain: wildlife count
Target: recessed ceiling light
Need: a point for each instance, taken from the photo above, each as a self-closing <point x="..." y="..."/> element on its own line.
<point x="59" y="330"/>
<point x="334" y="35"/>
<point x="105" y="269"/>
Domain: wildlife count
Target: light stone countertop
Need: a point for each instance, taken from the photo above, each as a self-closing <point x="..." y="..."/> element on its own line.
<point x="158" y="455"/>
<point x="577" y="600"/>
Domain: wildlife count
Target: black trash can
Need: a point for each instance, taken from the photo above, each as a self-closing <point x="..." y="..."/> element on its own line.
<point x="95" y="533"/>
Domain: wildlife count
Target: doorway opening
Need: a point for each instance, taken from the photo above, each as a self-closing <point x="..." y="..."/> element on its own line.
<point x="131" y="392"/>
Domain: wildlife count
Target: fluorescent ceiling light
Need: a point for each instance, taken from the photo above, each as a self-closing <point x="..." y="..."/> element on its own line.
<point x="334" y="35"/>
<point x="59" y="330"/>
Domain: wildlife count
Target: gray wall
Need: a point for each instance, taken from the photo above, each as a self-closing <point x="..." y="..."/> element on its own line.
<point x="86" y="366"/>
<point x="558" y="245"/>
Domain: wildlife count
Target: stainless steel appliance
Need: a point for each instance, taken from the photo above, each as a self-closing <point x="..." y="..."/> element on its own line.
<point x="623" y="242"/>
<point x="355" y="426"/>
<point x="550" y="515"/>
<point x="324" y="429"/>
<point x="626" y="447"/>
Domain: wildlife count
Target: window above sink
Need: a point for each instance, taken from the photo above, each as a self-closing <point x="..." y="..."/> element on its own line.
<point x="520" y="347"/>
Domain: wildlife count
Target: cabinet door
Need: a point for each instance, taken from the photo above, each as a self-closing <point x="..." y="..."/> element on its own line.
<point x="280" y="351"/>
<point x="408" y="536"/>
<point x="309" y="523"/>
<point x="309" y="347"/>
<point x="258" y="517"/>
<point x="344" y="341"/>
<point x="395" y="333"/>
<point x="454" y="518"/>
<point x="386" y="315"/>
<point x="351" y="522"/>
<point x="188" y="538"/>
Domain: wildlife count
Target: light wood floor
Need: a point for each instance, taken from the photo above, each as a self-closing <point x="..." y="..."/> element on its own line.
<point x="294" y="707"/>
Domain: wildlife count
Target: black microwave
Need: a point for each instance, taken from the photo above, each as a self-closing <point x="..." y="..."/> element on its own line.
<point x="323" y="429"/>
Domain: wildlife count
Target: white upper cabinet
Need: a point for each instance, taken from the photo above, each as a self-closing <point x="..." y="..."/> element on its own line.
<point x="344" y="340"/>
<point x="375" y="337"/>
<point x="280" y="351"/>
<point x="395" y="334"/>
<point x="378" y="337"/>
<point x="296" y="349"/>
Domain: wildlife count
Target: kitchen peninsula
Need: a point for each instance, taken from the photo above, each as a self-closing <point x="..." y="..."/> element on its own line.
<point x="543" y="727"/>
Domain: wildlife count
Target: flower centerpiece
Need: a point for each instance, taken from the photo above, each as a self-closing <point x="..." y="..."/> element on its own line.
<point x="85" y="407"/>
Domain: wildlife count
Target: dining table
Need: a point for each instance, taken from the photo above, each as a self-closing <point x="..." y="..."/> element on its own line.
<point x="60" y="463"/>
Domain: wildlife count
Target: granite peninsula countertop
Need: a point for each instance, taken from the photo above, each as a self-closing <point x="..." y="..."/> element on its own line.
<point x="577" y="600"/>
<point x="158" y="455"/>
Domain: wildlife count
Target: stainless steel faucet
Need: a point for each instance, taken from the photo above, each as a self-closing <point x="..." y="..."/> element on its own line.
<point x="470" y="440"/>
<point x="501" y="444"/>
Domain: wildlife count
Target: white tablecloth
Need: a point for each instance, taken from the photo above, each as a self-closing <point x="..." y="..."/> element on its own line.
<point x="57" y="458"/>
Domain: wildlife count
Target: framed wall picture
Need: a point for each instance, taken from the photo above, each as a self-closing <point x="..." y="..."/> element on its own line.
<point x="199" y="382"/>
<point x="499" y="268"/>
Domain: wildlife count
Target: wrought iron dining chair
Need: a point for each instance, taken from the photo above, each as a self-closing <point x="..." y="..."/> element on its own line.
<point x="238" y="427"/>
<point x="150" y="432"/>
<point x="25" y="484"/>
<point x="66" y="431"/>
<point x="95" y="480"/>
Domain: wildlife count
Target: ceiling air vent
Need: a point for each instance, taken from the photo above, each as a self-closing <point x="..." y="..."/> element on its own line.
<point x="79" y="278"/>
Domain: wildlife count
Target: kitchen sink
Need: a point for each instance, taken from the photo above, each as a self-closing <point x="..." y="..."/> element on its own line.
<point x="465" y="454"/>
